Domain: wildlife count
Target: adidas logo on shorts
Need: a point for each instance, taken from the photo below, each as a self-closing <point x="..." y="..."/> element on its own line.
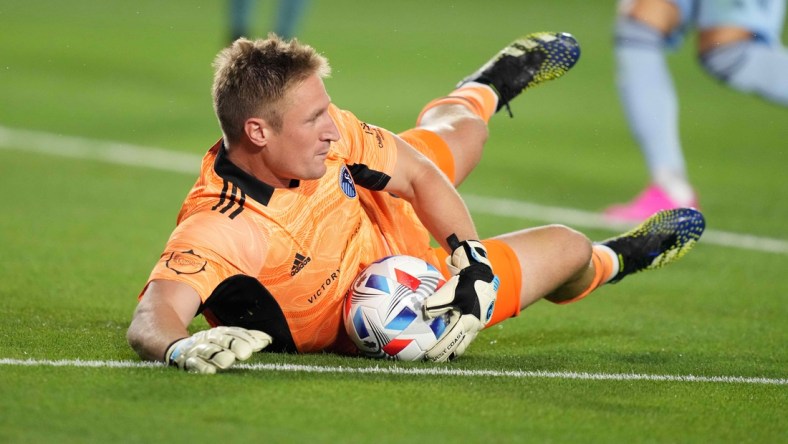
<point x="299" y="263"/>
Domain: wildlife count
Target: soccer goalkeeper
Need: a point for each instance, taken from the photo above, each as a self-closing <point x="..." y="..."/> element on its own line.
<point x="298" y="196"/>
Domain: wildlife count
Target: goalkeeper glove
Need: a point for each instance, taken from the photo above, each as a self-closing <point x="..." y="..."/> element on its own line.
<point x="469" y="298"/>
<point x="215" y="349"/>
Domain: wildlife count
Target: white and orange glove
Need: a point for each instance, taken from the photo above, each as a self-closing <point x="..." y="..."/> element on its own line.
<point x="468" y="296"/>
<point x="215" y="349"/>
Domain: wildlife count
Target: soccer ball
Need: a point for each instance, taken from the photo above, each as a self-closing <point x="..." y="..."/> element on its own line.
<point x="383" y="309"/>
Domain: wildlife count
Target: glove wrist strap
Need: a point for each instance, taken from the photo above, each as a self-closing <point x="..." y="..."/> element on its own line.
<point x="170" y="349"/>
<point x="465" y="254"/>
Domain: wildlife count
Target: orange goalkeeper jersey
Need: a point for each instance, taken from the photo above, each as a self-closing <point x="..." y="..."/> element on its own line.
<point x="306" y="243"/>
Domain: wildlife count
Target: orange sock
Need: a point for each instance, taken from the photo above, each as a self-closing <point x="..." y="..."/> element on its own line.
<point x="479" y="98"/>
<point x="603" y="272"/>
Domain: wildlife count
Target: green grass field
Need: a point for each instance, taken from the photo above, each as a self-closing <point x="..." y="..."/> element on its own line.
<point x="82" y="83"/>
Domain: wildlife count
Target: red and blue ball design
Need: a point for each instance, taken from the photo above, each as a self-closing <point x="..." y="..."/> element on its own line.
<point x="383" y="309"/>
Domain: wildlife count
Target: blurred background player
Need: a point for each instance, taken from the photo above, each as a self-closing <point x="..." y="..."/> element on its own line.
<point x="288" y="15"/>
<point x="738" y="43"/>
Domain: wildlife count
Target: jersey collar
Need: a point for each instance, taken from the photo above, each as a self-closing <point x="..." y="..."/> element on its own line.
<point x="253" y="187"/>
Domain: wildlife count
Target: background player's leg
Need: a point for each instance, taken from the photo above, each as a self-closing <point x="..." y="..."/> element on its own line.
<point x="288" y="15"/>
<point x="650" y="104"/>
<point x="240" y="17"/>
<point x="746" y="64"/>
<point x="740" y="43"/>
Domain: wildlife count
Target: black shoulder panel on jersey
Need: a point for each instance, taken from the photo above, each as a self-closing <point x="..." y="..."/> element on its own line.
<point x="249" y="185"/>
<point x="367" y="178"/>
<point x="242" y="301"/>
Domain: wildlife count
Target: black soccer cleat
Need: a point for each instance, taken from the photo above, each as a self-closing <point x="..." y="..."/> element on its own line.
<point x="661" y="239"/>
<point x="527" y="62"/>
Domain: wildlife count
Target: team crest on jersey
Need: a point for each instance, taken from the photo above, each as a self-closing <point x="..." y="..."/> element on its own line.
<point x="346" y="182"/>
<point x="185" y="262"/>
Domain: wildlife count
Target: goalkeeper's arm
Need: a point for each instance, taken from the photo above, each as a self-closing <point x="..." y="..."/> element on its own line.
<point x="158" y="332"/>
<point x="469" y="295"/>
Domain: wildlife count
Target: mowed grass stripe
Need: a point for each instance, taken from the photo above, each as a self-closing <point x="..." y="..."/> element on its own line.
<point x="173" y="161"/>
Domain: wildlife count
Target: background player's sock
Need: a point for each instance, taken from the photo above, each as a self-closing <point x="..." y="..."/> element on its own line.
<point x="676" y="186"/>
<point x="240" y="17"/>
<point x="648" y="95"/>
<point x="288" y="15"/>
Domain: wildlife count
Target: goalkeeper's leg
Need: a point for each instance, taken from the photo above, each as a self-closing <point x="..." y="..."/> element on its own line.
<point x="533" y="263"/>
<point x="452" y="130"/>
<point x="662" y="239"/>
<point x="562" y="265"/>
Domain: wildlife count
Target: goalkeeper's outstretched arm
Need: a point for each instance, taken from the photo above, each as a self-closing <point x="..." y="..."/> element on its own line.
<point x="158" y="331"/>
<point x="161" y="318"/>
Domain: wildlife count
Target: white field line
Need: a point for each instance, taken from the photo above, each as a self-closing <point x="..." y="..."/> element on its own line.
<point x="173" y="161"/>
<point x="438" y="371"/>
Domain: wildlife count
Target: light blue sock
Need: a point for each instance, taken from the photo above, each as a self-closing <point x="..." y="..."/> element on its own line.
<point x="649" y="98"/>
<point x="751" y="66"/>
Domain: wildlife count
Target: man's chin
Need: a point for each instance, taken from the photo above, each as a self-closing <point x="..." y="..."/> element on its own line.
<point x="316" y="174"/>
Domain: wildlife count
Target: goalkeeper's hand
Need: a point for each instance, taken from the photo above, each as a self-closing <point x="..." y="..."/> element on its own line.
<point x="469" y="298"/>
<point x="215" y="349"/>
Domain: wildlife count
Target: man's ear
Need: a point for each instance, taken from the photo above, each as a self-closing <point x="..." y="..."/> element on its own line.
<point x="257" y="131"/>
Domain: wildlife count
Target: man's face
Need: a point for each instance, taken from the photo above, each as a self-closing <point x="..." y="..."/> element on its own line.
<point x="299" y="149"/>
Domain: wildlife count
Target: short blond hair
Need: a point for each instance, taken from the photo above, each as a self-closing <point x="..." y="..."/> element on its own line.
<point x="252" y="79"/>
